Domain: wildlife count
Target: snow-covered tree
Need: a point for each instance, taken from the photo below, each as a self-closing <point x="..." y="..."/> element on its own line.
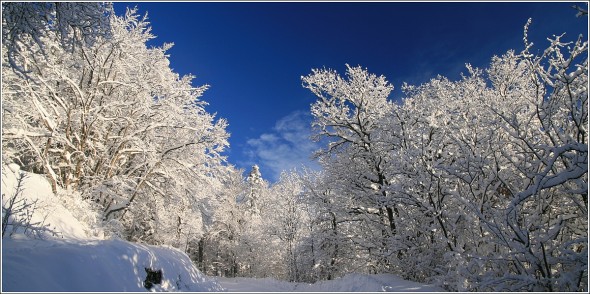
<point x="237" y="242"/>
<point x="218" y="251"/>
<point x="325" y="249"/>
<point x="487" y="174"/>
<point x="286" y="217"/>
<point x="350" y="113"/>
<point x="478" y="167"/>
<point x="110" y="118"/>
<point x="255" y="186"/>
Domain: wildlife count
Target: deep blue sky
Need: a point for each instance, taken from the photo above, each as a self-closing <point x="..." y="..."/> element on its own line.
<point x="253" y="55"/>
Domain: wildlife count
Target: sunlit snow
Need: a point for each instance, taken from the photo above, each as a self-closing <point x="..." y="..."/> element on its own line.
<point x="74" y="258"/>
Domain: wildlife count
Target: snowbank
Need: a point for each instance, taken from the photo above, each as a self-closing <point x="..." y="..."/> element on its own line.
<point x="95" y="266"/>
<point x="76" y="260"/>
<point x="49" y="211"/>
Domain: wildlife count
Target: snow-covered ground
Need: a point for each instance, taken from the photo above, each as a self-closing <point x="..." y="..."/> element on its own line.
<point x="348" y="283"/>
<point x="96" y="266"/>
<point x="77" y="258"/>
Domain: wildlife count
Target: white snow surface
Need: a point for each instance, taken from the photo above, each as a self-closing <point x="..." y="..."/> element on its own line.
<point x="96" y="266"/>
<point x="78" y="259"/>
<point x="348" y="283"/>
<point x="49" y="210"/>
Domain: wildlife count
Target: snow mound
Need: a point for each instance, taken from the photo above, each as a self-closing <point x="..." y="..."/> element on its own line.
<point x="49" y="212"/>
<point x="73" y="258"/>
<point x="96" y="266"/>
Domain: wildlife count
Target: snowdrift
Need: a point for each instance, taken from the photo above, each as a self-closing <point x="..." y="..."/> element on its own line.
<point x="75" y="259"/>
<point x="96" y="266"/>
<point x="49" y="211"/>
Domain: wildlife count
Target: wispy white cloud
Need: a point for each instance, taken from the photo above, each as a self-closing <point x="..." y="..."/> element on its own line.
<point x="286" y="147"/>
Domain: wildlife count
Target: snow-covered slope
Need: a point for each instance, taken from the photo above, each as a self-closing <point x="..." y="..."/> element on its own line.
<point x="48" y="208"/>
<point x="76" y="259"/>
<point x="96" y="266"/>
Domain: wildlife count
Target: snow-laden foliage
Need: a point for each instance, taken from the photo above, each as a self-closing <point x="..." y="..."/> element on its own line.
<point x="111" y="119"/>
<point x="222" y="250"/>
<point x="75" y="24"/>
<point x="351" y="113"/>
<point x="259" y="230"/>
<point x="479" y="184"/>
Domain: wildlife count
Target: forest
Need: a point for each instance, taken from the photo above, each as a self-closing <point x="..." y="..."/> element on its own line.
<point x="475" y="184"/>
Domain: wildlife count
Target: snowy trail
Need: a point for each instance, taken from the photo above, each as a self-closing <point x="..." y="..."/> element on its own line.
<point x="348" y="283"/>
<point x="255" y="285"/>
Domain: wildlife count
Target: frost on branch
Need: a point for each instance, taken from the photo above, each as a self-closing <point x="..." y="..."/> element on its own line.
<point x="25" y="25"/>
